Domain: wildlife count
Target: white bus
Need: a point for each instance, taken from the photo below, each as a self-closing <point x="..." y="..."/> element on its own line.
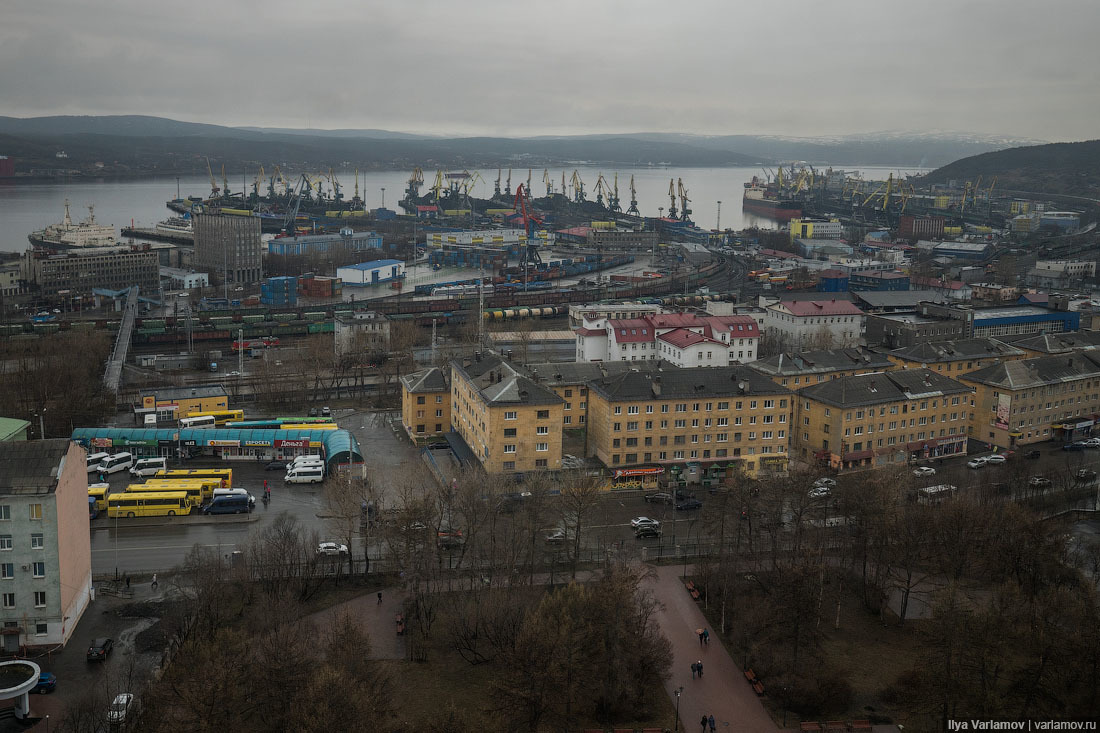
<point x="935" y="494"/>
<point x="203" y="421"/>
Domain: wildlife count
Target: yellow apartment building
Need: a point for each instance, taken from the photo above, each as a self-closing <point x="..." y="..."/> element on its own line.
<point x="425" y="403"/>
<point x="799" y="369"/>
<point x="953" y="358"/>
<point x="704" y="416"/>
<point x="1032" y="400"/>
<point x="172" y="403"/>
<point x="882" y="419"/>
<point x="1047" y="344"/>
<point x="509" y="422"/>
<point x="569" y="380"/>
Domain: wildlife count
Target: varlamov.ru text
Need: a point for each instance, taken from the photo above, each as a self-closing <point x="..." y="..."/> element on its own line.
<point x="1024" y="725"/>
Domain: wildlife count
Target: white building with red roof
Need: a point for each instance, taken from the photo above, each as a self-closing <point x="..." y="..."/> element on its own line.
<point x="818" y="324"/>
<point x="683" y="339"/>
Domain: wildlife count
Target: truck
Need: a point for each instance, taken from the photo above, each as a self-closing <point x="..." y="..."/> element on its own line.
<point x="213" y="366"/>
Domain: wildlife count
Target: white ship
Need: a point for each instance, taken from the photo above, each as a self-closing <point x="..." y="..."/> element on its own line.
<point x="68" y="235"/>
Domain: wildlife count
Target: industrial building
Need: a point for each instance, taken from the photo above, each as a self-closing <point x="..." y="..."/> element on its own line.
<point x="623" y="239"/>
<point x="347" y="239"/>
<point x="897" y="330"/>
<point x="816" y="229"/>
<point x="371" y="273"/>
<point x="80" y="271"/>
<point x="171" y="403"/>
<point x="877" y="280"/>
<point x="229" y="245"/>
<point x="365" y="332"/>
<point x="175" y="278"/>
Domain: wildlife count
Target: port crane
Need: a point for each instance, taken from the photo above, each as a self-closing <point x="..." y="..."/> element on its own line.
<point x="672" y="198"/>
<point x="256" y="184"/>
<point x="633" y="199"/>
<point x="214" y="190"/>
<point x="549" y="183"/>
<point x="355" y="200"/>
<point x="290" y="219"/>
<point x="496" y="185"/>
<point x="437" y="186"/>
<point x="337" y="194"/>
<point x="528" y="181"/>
<point x="578" y="187"/>
<point x="685" y="212"/>
<point x="508" y="184"/>
<point x="613" y="198"/>
<point x="531" y="223"/>
<point x="563" y="183"/>
<point x="225" y="183"/>
<point x="601" y="188"/>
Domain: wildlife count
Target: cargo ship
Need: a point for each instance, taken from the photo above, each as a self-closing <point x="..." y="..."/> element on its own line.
<point x="68" y="235"/>
<point x="765" y="201"/>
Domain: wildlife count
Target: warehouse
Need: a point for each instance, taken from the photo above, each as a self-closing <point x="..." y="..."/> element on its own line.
<point x="369" y="273"/>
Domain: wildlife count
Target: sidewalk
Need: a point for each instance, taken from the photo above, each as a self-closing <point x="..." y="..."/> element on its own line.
<point x="722" y="691"/>
<point x="378" y="620"/>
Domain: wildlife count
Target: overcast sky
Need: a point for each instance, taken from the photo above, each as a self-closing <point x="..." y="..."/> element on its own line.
<point x="791" y="67"/>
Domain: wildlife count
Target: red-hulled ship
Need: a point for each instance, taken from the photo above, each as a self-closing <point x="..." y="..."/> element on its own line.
<point x="765" y="201"/>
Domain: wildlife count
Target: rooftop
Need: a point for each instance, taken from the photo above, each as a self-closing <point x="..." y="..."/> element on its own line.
<point x="372" y="264"/>
<point x="1060" y="343"/>
<point x="1037" y="372"/>
<point x="176" y="393"/>
<point x="896" y="298"/>
<point x="11" y="426"/>
<point x="627" y="330"/>
<point x="819" y="362"/>
<point x="426" y="380"/>
<point x="31" y="467"/>
<point x="832" y="307"/>
<point x="1013" y="311"/>
<point x="681" y="338"/>
<point x="883" y="387"/>
<point x="499" y="382"/>
<point x="557" y="374"/>
<point x="694" y="383"/>
<point x="958" y="350"/>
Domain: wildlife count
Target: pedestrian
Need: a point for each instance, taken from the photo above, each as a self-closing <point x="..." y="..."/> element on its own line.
<point x="379" y="598"/>
<point x="265" y="486"/>
<point x="154" y="583"/>
<point x="710" y="722"/>
<point x="703" y="724"/>
<point x="127" y="582"/>
<point x="699" y="668"/>
<point x="701" y="638"/>
<point x="706" y="636"/>
<point x="693" y="670"/>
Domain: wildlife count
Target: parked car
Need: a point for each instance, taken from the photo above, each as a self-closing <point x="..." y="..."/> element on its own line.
<point x="325" y="412"/>
<point x="819" y="492"/>
<point x="116" y="714"/>
<point x="99" y="649"/>
<point x="689" y="504"/>
<point x="1085" y="474"/>
<point x="1039" y="482"/>
<point x="313" y="412"/>
<point x="826" y="482"/>
<point x="557" y="537"/>
<point x="275" y="466"/>
<point x="1091" y="443"/>
<point x="1074" y="446"/>
<point x="660" y="497"/>
<point x="995" y="458"/>
<point x="978" y="462"/>
<point x="924" y="471"/>
<point x="332" y="548"/>
<point x="637" y="522"/>
<point x="47" y="681"/>
<point x="647" y="533"/>
<point x="1032" y="454"/>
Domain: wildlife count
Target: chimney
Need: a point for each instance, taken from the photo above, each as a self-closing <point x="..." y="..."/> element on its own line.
<point x="523" y="394"/>
<point x="500" y="376"/>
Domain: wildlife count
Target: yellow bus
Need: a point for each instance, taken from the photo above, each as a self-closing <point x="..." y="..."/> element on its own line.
<point x="225" y="474"/>
<point x="309" y="426"/>
<point x="200" y="489"/>
<point x="149" y="504"/>
<point x="221" y="417"/>
<point x="99" y="493"/>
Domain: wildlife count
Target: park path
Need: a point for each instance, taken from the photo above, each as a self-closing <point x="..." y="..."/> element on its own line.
<point x="722" y="691"/>
<point x="378" y="620"/>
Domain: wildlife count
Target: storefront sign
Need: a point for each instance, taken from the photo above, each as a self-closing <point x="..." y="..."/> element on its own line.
<point x="224" y="443"/>
<point x="257" y="444"/>
<point x="1083" y="425"/>
<point x="291" y="443"/>
<point x="102" y="442"/>
<point x="622" y="472"/>
<point x="150" y="443"/>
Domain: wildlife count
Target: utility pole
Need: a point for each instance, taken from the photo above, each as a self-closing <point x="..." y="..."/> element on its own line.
<point x="481" y="304"/>
<point x="240" y="354"/>
<point x="383" y="197"/>
<point x="433" y="341"/>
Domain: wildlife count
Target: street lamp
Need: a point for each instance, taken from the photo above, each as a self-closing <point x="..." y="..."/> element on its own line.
<point x="678" y="690"/>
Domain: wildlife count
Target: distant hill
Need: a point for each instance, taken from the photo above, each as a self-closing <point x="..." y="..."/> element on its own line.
<point x="137" y="143"/>
<point x="1069" y="169"/>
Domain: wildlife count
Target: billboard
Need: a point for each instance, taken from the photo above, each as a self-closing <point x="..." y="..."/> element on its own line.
<point x="1004" y="410"/>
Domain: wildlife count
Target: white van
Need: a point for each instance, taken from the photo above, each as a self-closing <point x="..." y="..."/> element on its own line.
<point x="311" y="458"/>
<point x="95" y="459"/>
<point x="231" y="492"/>
<point x="117" y="462"/>
<point x="305" y="474"/>
<point x="149" y="466"/>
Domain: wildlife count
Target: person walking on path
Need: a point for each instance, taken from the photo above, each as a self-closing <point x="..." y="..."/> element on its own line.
<point x="710" y="722"/>
<point x="703" y="724"/>
<point x="154" y="583"/>
<point x="693" y="670"/>
<point x="127" y="582"/>
<point x="702" y="635"/>
<point x="699" y="668"/>
<point x="379" y="598"/>
<point x="706" y="636"/>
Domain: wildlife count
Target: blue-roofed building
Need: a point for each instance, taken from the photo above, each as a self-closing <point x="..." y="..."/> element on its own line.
<point x="338" y="447"/>
<point x="304" y="244"/>
<point x="369" y="273"/>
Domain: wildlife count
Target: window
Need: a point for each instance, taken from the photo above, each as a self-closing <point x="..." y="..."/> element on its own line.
<point x="632" y="410"/>
<point x="568" y="393"/>
<point x="723" y="405"/>
<point x="509" y="432"/>
<point x="39" y="599"/>
<point x="649" y="409"/>
<point x="39" y="569"/>
<point x="510" y="448"/>
<point x="7" y="570"/>
<point x="439" y="399"/>
<point x="439" y="413"/>
<point x="420" y="428"/>
<point x="618" y="410"/>
<point x="420" y="400"/>
<point x="542" y="430"/>
<point x="540" y="447"/>
<point x="567" y="420"/>
<point x="510" y="415"/>
<point x="617" y="426"/>
<point x="37" y="541"/>
<point x="36" y="511"/>
<point x="5" y="542"/>
<point x="9" y="600"/>
<point x="5" y="512"/>
<point x="509" y="465"/>
<point x="664" y="408"/>
<point x="543" y="415"/>
<point x="632" y="425"/>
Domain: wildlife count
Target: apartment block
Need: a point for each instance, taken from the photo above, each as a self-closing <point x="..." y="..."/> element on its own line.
<point x="45" y="550"/>
<point x="798" y="369"/>
<point x="426" y="403"/>
<point x="229" y="246"/>
<point x="955" y="357"/>
<point x="509" y="422"/>
<point x="704" y="416"/>
<point x="882" y="419"/>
